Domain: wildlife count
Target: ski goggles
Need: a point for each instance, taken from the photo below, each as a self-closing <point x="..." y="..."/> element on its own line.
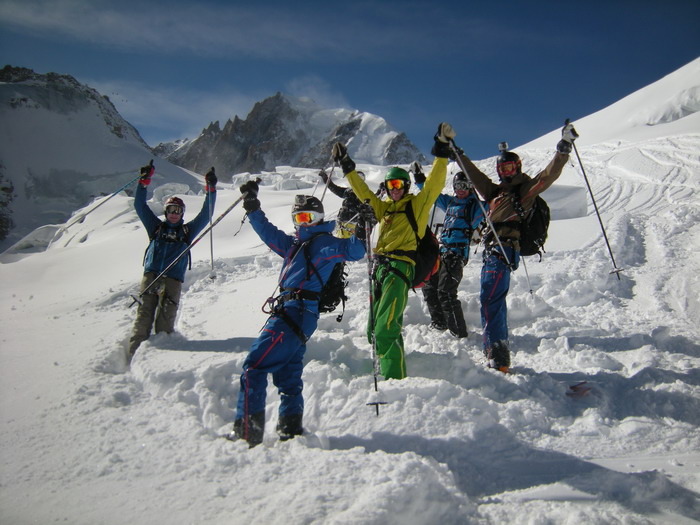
<point x="301" y="218"/>
<point x="173" y="210"/>
<point x="507" y="169"/>
<point x="462" y="185"/>
<point x="395" y="184"/>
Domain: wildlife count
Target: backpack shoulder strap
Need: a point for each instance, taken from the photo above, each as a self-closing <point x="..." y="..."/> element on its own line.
<point x="412" y="218"/>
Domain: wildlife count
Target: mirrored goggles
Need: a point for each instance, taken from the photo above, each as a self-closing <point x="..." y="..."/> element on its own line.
<point x="395" y="184"/>
<point x="462" y="185"/>
<point x="173" y="210"/>
<point x="306" y="217"/>
<point x="507" y="169"/>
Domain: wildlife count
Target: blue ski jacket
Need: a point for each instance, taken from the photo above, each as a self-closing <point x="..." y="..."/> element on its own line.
<point x="169" y="240"/>
<point x="462" y="217"/>
<point x="324" y="251"/>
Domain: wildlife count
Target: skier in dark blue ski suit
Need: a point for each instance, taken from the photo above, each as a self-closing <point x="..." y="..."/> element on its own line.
<point x="280" y="347"/>
<point x="463" y="215"/>
<point x="168" y="239"/>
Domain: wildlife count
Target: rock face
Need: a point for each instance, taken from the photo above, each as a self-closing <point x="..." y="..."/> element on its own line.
<point x="284" y="130"/>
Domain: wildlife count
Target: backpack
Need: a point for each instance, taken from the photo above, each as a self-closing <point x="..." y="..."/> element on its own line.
<point x="533" y="226"/>
<point x="333" y="291"/>
<point x="427" y="257"/>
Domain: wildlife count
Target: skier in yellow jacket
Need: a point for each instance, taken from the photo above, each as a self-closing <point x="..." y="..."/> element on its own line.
<point x="394" y="264"/>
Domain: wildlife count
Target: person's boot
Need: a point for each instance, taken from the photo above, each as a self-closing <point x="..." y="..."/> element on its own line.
<point x="498" y="355"/>
<point x="251" y="431"/>
<point x="289" y="426"/>
<point x="455" y="322"/>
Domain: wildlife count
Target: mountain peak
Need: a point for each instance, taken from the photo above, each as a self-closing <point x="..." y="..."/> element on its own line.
<point x="292" y="131"/>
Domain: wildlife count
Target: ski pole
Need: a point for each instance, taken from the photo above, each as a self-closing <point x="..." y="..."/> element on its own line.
<point x="137" y="298"/>
<point x="211" y="241"/>
<point x="527" y="275"/>
<point x="370" y="271"/>
<point x="456" y="151"/>
<point x="615" y="269"/>
<point x="82" y="216"/>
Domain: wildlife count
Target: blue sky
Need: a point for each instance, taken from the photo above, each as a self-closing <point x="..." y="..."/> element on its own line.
<point x="496" y="70"/>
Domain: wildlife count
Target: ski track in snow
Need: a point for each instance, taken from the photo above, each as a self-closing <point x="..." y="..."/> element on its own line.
<point x="455" y="443"/>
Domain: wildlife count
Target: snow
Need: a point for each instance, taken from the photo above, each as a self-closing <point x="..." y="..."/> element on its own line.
<point x="86" y="440"/>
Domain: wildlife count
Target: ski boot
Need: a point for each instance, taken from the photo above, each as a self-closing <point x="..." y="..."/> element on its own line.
<point x="289" y="426"/>
<point x="498" y="356"/>
<point x="252" y="431"/>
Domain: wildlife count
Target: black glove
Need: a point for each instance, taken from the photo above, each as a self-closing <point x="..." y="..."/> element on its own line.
<point x="251" y="203"/>
<point x="442" y="138"/>
<point x="324" y="176"/>
<point x="340" y="155"/>
<point x="417" y="170"/>
<point x="568" y="136"/>
<point x="251" y="188"/>
<point x="146" y="174"/>
<point x="211" y="180"/>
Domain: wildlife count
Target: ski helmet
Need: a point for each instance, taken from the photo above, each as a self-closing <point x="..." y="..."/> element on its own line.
<point x="397" y="173"/>
<point x="461" y="182"/>
<point x="176" y="202"/>
<point x="307" y="210"/>
<point x="508" y="165"/>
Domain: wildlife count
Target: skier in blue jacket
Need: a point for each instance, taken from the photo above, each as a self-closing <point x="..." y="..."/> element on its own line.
<point x="280" y="347"/>
<point x="463" y="215"/>
<point x="168" y="239"/>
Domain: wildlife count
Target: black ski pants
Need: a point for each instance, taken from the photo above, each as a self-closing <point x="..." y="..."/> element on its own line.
<point x="440" y="294"/>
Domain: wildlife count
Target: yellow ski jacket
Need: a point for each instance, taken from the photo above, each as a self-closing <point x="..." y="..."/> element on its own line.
<point x="395" y="232"/>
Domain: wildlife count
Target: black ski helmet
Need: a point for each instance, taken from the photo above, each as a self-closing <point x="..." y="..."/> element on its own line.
<point x="509" y="156"/>
<point x="461" y="177"/>
<point x="307" y="203"/>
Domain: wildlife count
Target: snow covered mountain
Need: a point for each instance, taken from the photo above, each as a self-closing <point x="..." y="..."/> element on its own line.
<point x="62" y="144"/>
<point x="290" y="131"/>
<point x="86" y="440"/>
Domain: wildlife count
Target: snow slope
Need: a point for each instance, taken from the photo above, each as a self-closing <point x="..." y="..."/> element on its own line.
<point x="84" y="440"/>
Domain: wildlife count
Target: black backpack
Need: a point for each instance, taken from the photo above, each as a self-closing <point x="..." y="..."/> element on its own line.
<point x="333" y="291"/>
<point x="533" y="226"/>
<point x="427" y="256"/>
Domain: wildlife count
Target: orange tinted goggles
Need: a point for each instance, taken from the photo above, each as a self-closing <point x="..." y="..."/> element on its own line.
<point x="306" y="217"/>
<point x="395" y="184"/>
<point x="507" y="169"/>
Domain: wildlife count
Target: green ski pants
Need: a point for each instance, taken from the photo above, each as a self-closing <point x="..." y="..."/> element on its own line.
<point x="390" y="297"/>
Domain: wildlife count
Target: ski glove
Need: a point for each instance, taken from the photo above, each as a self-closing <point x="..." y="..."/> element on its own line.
<point x="146" y="174"/>
<point x="251" y="188"/>
<point x="419" y="177"/>
<point x="211" y="180"/>
<point x="568" y="136"/>
<point x="442" y="138"/>
<point x="340" y="155"/>
<point x="251" y="203"/>
<point x="324" y="176"/>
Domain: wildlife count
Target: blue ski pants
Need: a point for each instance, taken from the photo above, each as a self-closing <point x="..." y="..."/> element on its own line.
<point x="280" y="352"/>
<point x="495" y="282"/>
